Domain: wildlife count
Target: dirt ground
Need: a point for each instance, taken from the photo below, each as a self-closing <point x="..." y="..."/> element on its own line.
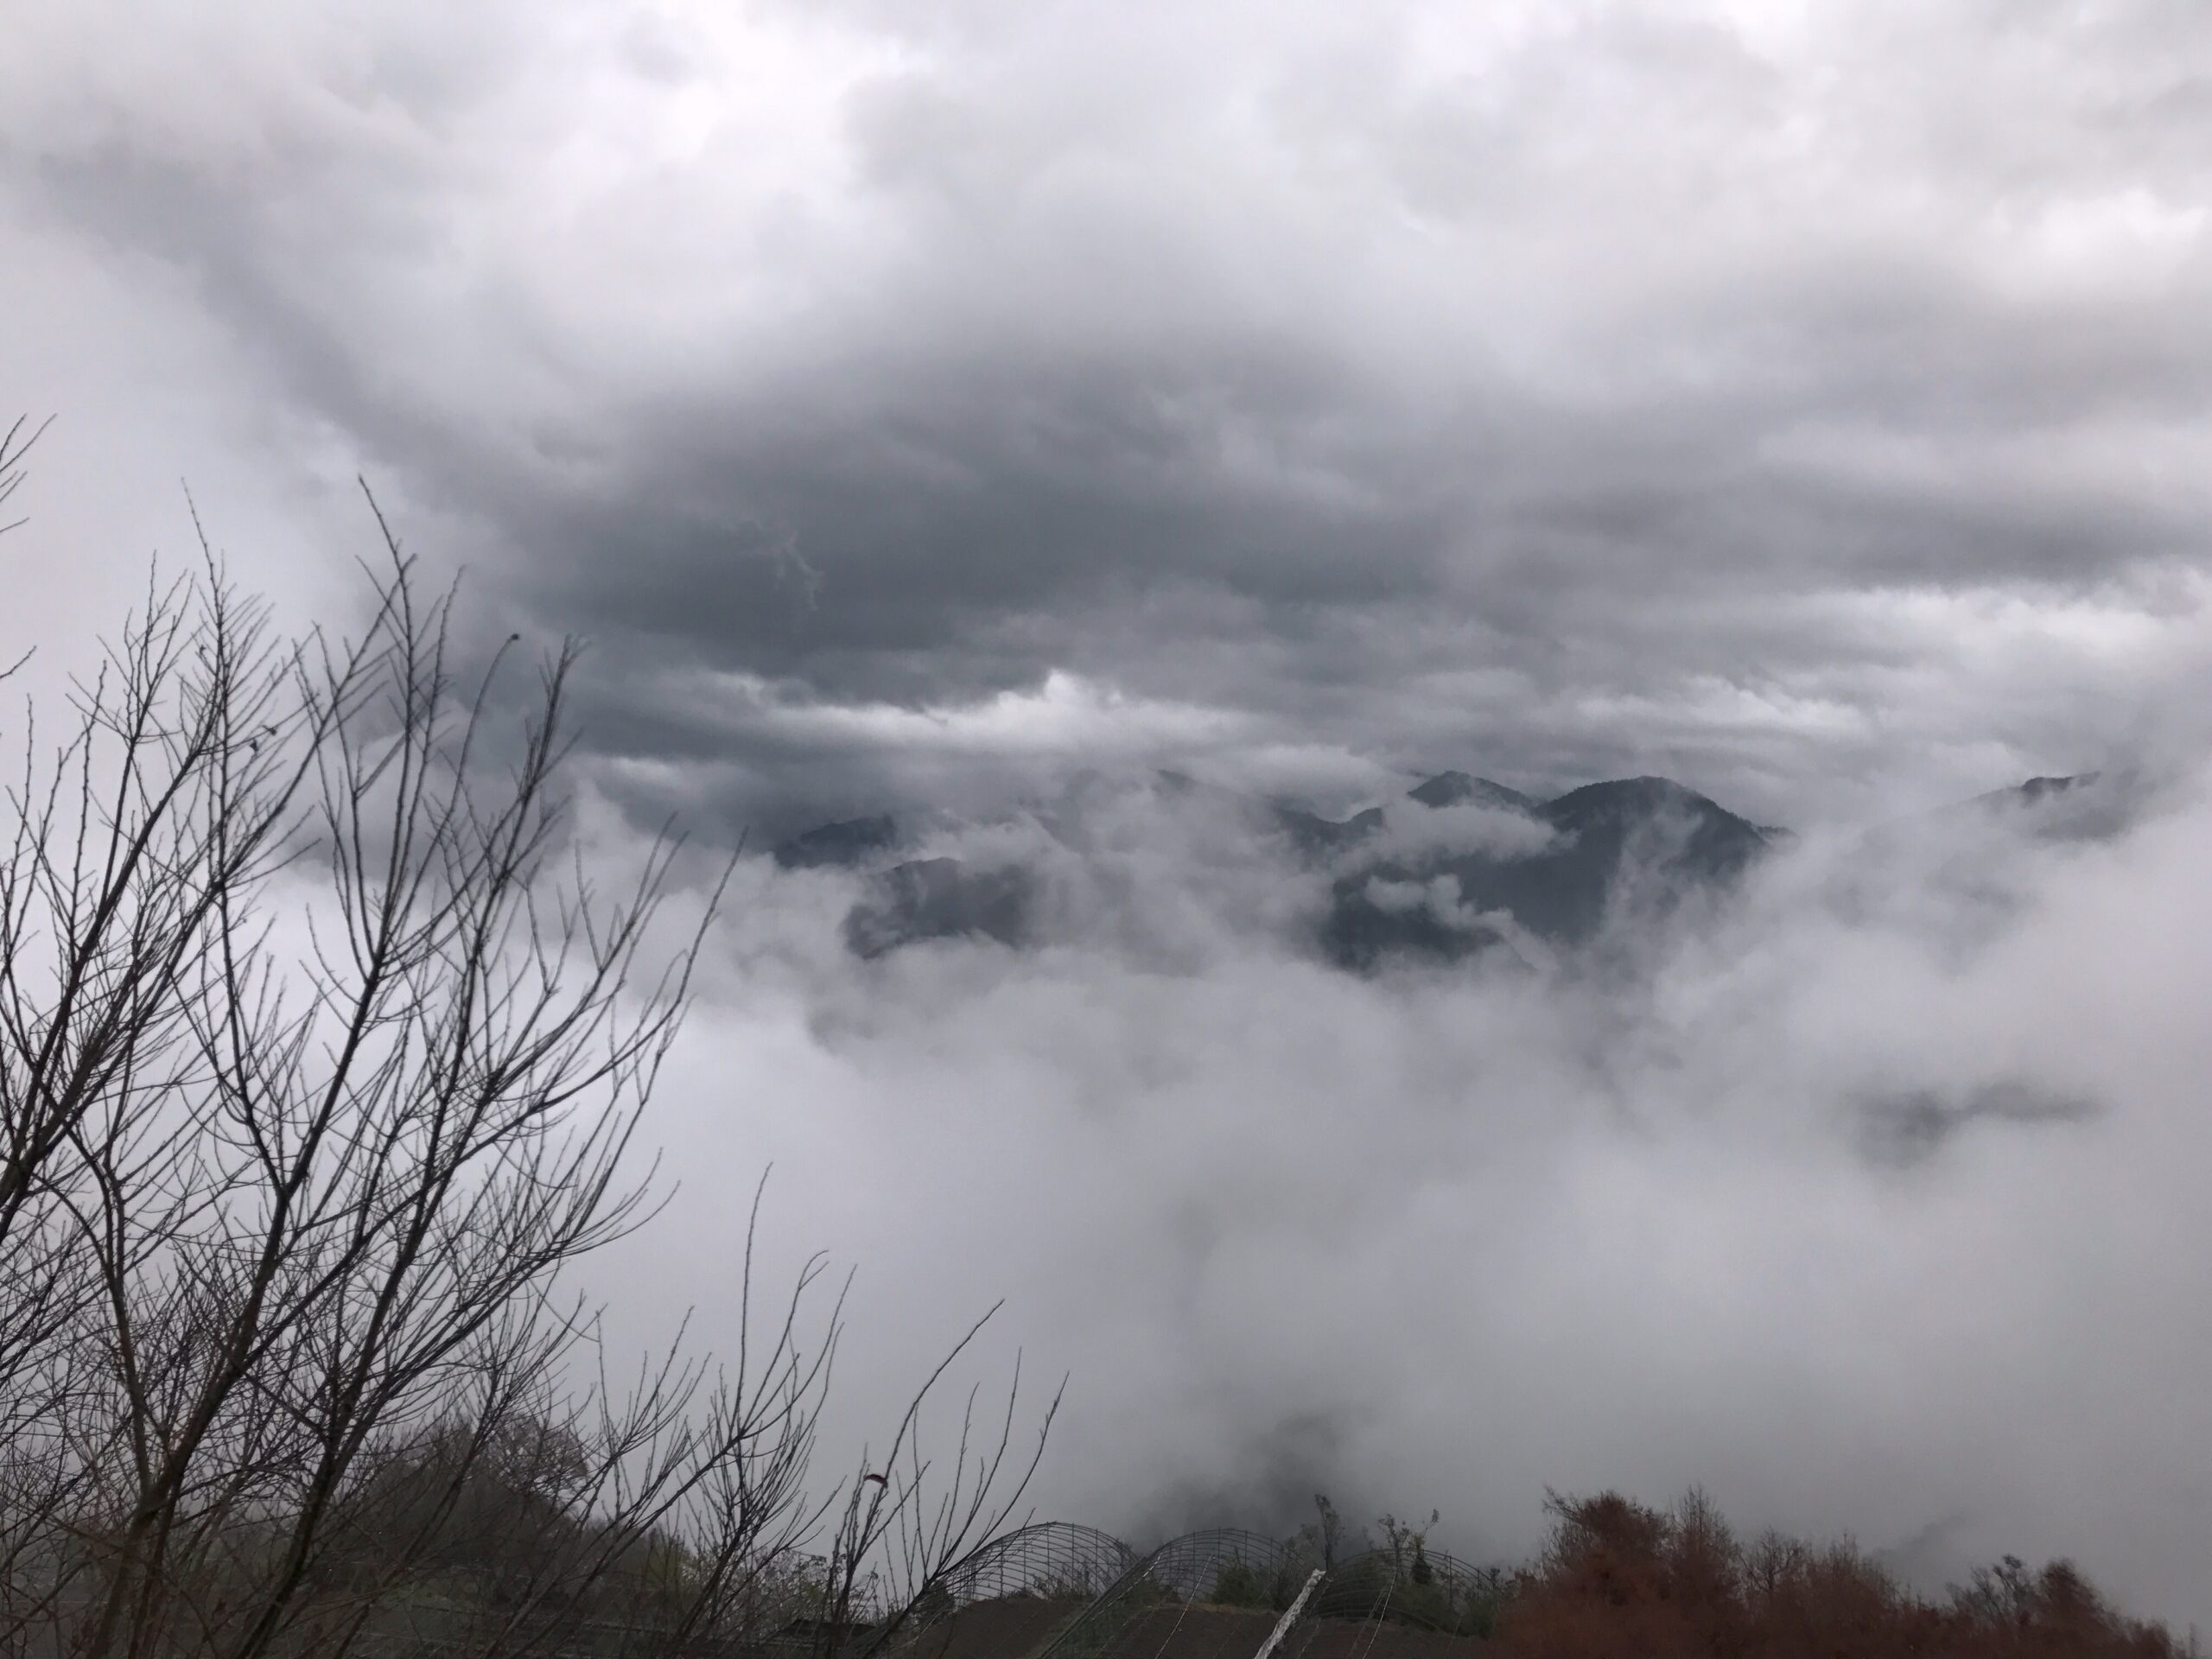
<point x="1015" y="1629"/>
<point x="996" y="1630"/>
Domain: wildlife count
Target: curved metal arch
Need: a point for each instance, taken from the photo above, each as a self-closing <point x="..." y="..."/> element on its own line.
<point x="1194" y="1566"/>
<point x="1223" y="1564"/>
<point x="1422" y="1587"/>
<point x="1048" y="1566"/>
<point x="1057" y="1558"/>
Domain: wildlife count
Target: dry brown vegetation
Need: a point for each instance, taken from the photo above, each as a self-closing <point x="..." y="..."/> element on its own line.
<point x="1620" y="1578"/>
<point x="1617" y="1579"/>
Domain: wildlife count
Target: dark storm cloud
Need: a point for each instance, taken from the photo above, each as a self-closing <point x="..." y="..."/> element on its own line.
<point x="1545" y="391"/>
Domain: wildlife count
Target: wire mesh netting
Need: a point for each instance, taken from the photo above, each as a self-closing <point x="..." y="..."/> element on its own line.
<point x="1060" y="1591"/>
<point x="1013" y="1594"/>
<point x="1411" y="1585"/>
<point x="1055" y="1558"/>
<point x="1224" y="1571"/>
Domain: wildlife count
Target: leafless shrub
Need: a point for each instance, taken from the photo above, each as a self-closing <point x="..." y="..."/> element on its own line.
<point x="321" y="1056"/>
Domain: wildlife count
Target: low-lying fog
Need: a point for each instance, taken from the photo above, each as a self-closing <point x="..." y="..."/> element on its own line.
<point x="1870" y="1198"/>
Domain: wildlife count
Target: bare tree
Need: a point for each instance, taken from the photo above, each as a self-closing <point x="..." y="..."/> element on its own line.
<point x="909" y="1536"/>
<point x="321" y="1056"/>
<point x="15" y="443"/>
<point x="130" y="845"/>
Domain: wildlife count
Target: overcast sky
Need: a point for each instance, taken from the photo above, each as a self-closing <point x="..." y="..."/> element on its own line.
<point x="1807" y="399"/>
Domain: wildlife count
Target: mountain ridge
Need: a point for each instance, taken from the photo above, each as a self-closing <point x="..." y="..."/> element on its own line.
<point x="1399" y="887"/>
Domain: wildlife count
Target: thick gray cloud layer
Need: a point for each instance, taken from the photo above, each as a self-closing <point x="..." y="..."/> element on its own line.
<point x="1873" y="1203"/>
<point x="1807" y="399"/>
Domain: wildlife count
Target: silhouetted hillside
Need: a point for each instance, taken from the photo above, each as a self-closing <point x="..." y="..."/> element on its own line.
<point x="1457" y="865"/>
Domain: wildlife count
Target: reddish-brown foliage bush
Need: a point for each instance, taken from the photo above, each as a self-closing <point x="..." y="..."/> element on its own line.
<point x="1623" y="1580"/>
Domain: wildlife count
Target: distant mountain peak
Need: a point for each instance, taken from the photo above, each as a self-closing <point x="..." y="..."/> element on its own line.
<point x="2036" y="788"/>
<point x="1464" y="789"/>
<point x="2035" y="792"/>
<point x="1625" y="805"/>
<point x="1646" y="797"/>
<point x="2084" y="806"/>
<point x="1399" y="886"/>
<point x="847" y="843"/>
<point x="942" y="899"/>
